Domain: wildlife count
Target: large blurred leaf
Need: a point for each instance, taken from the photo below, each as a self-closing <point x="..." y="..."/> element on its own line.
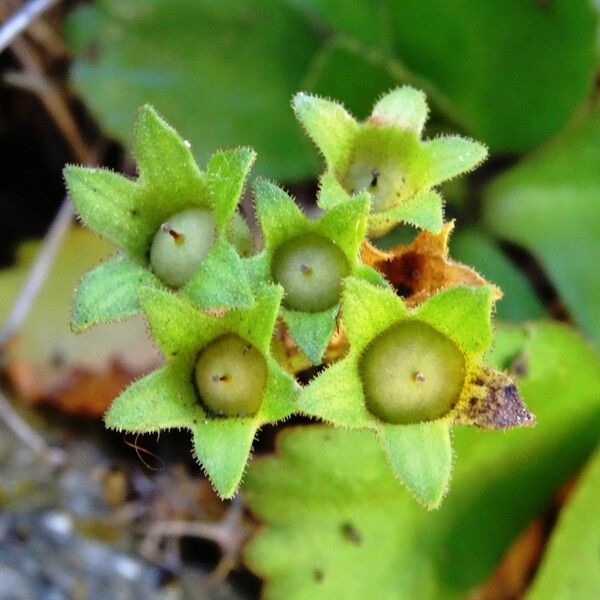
<point x="550" y="204"/>
<point x="491" y="65"/>
<point x="337" y="525"/>
<point x="223" y="72"/>
<point x="511" y="72"/>
<point x="475" y="248"/>
<point x="571" y="566"/>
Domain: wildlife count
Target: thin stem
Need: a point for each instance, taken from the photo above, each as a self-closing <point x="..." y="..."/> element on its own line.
<point x="38" y="273"/>
<point x="402" y="74"/>
<point x="27" y="435"/>
<point x="21" y="19"/>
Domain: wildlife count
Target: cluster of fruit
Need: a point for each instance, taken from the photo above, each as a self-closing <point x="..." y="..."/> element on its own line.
<point x="394" y="340"/>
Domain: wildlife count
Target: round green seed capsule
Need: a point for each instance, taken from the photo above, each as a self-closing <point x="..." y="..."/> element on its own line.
<point x="310" y="269"/>
<point x="181" y="244"/>
<point x="385" y="181"/>
<point x="411" y="373"/>
<point x="231" y="375"/>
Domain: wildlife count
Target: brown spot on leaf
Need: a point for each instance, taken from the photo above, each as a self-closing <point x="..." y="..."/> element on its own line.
<point x="421" y="268"/>
<point x="351" y="533"/>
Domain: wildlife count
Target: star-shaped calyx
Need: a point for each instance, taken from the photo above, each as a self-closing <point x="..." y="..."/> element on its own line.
<point x="386" y="156"/>
<point x="176" y="226"/>
<point x="419" y="269"/>
<point x="219" y="380"/>
<point x="410" y="374"/>
<point x="309" y="259"/>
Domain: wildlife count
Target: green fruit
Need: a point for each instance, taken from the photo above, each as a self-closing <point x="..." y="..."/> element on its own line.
<point x="310" y="268"/>
<point x="383" y="162"/>
<point x="411" y="373"/>
<point x="231" y="375"/>
<point x="181" y="244"/>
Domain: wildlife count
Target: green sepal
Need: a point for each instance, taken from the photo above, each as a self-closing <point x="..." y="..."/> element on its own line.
<point x="164" y="399"/>
<point x="336" y="396"/>
<point x="220" y="281"/>
<point x="106" y="201"/>
<point x="404" y="107"/>
<point x="238" y="234"/>
<point x="450" y="156"/>
<point x="222" y="447"/>
<point x="463" y="314"/>
<point x="331" y="192"/>
<point x="425" y="210"/>
<point x="372" y="276"/>
<point x="109" y="292"/>
<point x="368" y="310"/>
<point x="421" y="457"/>
<point x="347" y="224"/>
<point x="278" y="215"/>
<point x="329" y="125"/>
<point x="312" y="331"/>
<point x="226" y="175"/>
<point x="165" y="161"/>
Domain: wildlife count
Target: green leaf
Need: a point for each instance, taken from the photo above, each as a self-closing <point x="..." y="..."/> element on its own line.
<point x="312" y="331"/>
<point x="226" y="174"/>
<point x="463" y="314"/>
<point x="337" y="525"/>
<point x="474" y="247"/>
<point x="421" y="455"/>
<point x="109" y="292"/>
<point x="105" y="202"/>
<point x="165" y="399"/>
<point x="220" y="281"/>
<point x="548" y="204"/>
<point x="451" y="156"/>
<point x="569" y="568"/>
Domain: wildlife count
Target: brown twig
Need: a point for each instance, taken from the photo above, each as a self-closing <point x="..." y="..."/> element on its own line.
<point x="28" y="435"/>
<point x="21" y="20"/>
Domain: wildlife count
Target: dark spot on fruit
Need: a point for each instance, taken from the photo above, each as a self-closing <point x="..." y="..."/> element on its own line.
<point x="375" y="173"/>
<point x="134" y="212"/>
<point x="318" y="575"/>
<point x="473" y="401"/>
